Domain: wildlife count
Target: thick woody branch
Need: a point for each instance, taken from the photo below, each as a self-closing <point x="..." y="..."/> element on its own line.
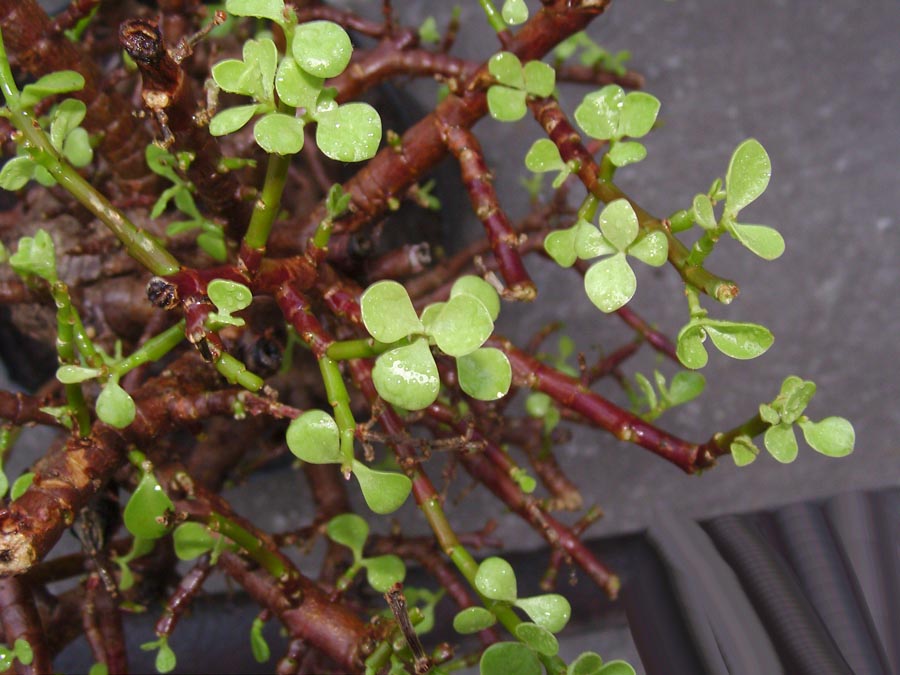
<point x="21" y="621"/>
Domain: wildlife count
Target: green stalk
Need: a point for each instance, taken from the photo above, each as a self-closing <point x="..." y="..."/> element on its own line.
<point x="363" y="348"/>
<point x="236" y="373"/>
<point x="692" y="294"/>
<point x="268" y="202"/>
<point x="247" y="541"/>
<point x="65" y="348"/>
<point x="339" y="399"/>
<point x="752" y="427"/>
<point x="152" y="350"/>
<point x="588" y="208"/>
<point x="142" y="247"/>
<point x="495" y="19"/>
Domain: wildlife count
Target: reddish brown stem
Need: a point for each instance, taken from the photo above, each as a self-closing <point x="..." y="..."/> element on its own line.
<point x="103" y="626"/>
<point x="21" y="621"/>
<point x="179" y="602"/>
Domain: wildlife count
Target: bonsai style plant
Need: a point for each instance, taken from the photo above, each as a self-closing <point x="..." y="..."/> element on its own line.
<point x="225" y="281"/>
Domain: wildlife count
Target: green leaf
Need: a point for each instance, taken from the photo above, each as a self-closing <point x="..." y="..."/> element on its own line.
<point x="478" y="288"/>
<point x="623" y="153"/>
<point x="165" y="659"/>
<point x="462" y="326"/>
<point x="598" y="113"/>
<point x="262" y="57"/>
<point x="550" y="611"/>
<point x="638" y="114"/>
<point x="321" y="48"/>
<point x="743" y="450"/>
<point x="235" y="76"/>
<point x="537" y="404"/>
<point x="472" y="620"/>
<point x="587" y="663"/>
<point x="589" y="243"/>
<point x="764" y="241"/>
<point x="833" y="436"/>
<point x="781" y="443"/>
<point x="610" y="283"/>
<point x="231" y="119"/>
<point x="514" y="12"/>
<point x="560" y="245"/>
<point x="651" y="249"/>
<point x="22" y="650"/>
<point x="4" y="482"/>
<point x="702" y="210"/>
<point x="485" y="374"/>
<point x="77" y="148"/>
<point x="739" y="340"/>
<point x="264" y="9"/>
<point x="384" y="571"/>
<point x="337" y="201"/>
<point x="507" y="69"/>
<point x="229" y="296"/>
<point x="76" y="374"/>
<point x="506" y="104"/>
<point x="795" y="395"/>
<point x="769" y="415"/>
<point x="388" y="313"/>
<point x="689" y="346"/>
<point x="258" y="644"/>
<point x="539" y="639"/>
<point x="350" y="530"/>
<point x="619" y="224"/>
<point x="213" y="244"/>
<point x="428" y="31"/>
<point x="148" y="506"/>
<point x="314" y="438"/>
<point x="279" y="133"/>
<point x="115" y="406"/>
<point x="20" y="485"/>
<point x="384" y="491"/>
<point x="349" y="133"/>
<point x="617" y="668"/>
<point x="429" y="314"/>
<point x="407" y="376"/>
<point x="99" y="668"/>
<point x="748" y="175"/>
<point x="544" y="156"/>
<point x="647" y="390"/>
<point x="35" y="255"/>
<point x="540" y="79"/>
<point x="59" y="82"/>
<point x="496" y="579"/>
<point x="296" y="87"/>
<point x="192" y="540"/>
<point x="685" y="386"/>
<point x="508" y="658"/>
<point x="65" y="118"/>
<point x="16" y="173"/>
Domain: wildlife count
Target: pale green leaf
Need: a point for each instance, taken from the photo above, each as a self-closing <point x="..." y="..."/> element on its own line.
<point x="616" y="668"/>
<point x="407" y="376"/>
<point x="16" y="173"/>
<point x="59" y="82"/>
<point x="264" y="9"/>
<point x="651" y="249"/>
<point x="781" y="443"/>
<point x="764" y="241"/>
<point x="748" y="175"/>
<point x="229" y="296"/>
<point x="543" y="156"/>
<point x="66" y="117"/>
<point x="833" y="436"/>
<point x="495" y="579"/>
<point x="739" y="340"/>
<point x="623" y="153"/>
<point x="484" y="374"/>
<point x="322" y="48"/>
<point x="262" y="56"/>
<point x="689" y="347"/>
<point x="20" y="485"/>
<point x="560" y="245"/>
<point x="685" y="386"/>
<point x="472" y="620"/>
<point x="146" y="511"/>
<point x="77" y="148"/>
<point x="388" y="313"/>
<point x="74" y="374"/>
<point x="507" y="69"/>
<point x="296" y="87"/>
<point x="589" y="243"/>
<point x="551" y="611"/>
<point x="192" y="540"/>
<point x="480" y="289"/>
<point x="350" y="530"/>
<point x="619" y="224"/>
<point x="540" y="79"/>
<point x="610" y="283"/>
<point x="314" y="437"/>
<point x="702" y="210"/>
<point x="598" y="113"/>
<point x="383" y="491"/>
<point x="508" y="658"/>
<point x="587" y="663"/>
<point x="384" y="571"/>
<point x="462" y="326"/>
<point x="279" y="133"/>
<point x="231" y="119"/>
<point x="235" y="76"/>
<point x="506" y="104"/>
<point x="349" y="133"/>
<point x="115" y="406"/>
<point x="795" y="395"/>
<point x="35" y="255"/>
<point x="514" y="12"/>
<point x="258" y="644"/>
<point x="539" y="639"/>
<point x="743" y="450"/>
<point x="638" y="114"/>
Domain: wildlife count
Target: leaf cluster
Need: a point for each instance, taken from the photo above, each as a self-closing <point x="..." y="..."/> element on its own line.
<point x="382" y="572"/>
<point x="515" y="83"/>
<point x="611" y="115"/>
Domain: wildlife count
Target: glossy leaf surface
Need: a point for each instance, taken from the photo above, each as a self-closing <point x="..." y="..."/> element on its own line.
<point x="462" y="326"/>
<point x="496" y="580"/>
<point x="484" y="374"/>
<point x="833" y="436"/>
<point x="473" y="619"/>
<point x="314" y="438"/>
<point x="349" y="133"/>
<point x="477" y="287"/>
<point x="322" y="48"/>
<point x="539" y="639"/>
<point x="610" y="283"/>
<point x="279" y="134"/>
<point x="115" y="406"/>
<point x="384" y="571"/>
<point x="781" y="443"/>
<point x="748" y="175"/>
<point x="407" y="376"/>
<point x="146" y="509"/>
<point x="384" y="491"/>
<point x="506" y="658"/>
<point x="764" y="241"/>
<point x="388" y="313"/>
<point x="351" y="531"/>
<point x="551" y="611"/>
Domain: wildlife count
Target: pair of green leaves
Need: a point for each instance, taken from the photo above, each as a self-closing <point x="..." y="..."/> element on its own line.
<point x="832" y="436"/>
<point x="211" y="237"/>
<point x="36" y="255"/>
<point x="21" y="650"/>
<point x="685" y="386"/>
<point x="734" y="339"/>
<point x="165" y="657"/>
<point x="314" y="437"/>
<point x="611" y="115"/>
<point x="610" y="283"/>
<point x="382" y="572"/>
<point x="114" y="405"/>
<point x="506" y="99"/>
<point x="592" y="54"/>
<point x="318" y="50"/>
<point x="407" y="375"/>
<point x="228" y="297"/>
<point x="543" y="156"/>
<point x="748" y="175"/>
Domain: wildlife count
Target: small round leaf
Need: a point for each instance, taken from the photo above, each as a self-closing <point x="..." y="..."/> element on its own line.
<point x="279" y="134"/>
<point x="496" y="580"/>
<point x="229" y="296"/>
<point x="314" y="438"/>
<point x="764" y="241"/>
<point x="263" y="9"/>
<point x="623" y="153"/>
<point x="598" y="113"/>
<point x="739" y="340"/>
<point x="16" y="173"/>
<point x="589" y="243"/>
<point x="20" y="485"/>
<point x="235" y="76"/>
<point x="145" y="511"/>
<point x="833" y="436"/>
<point x="462" y="326"/>
<point x="407" y="376"/>
<point x="748" y="175"/>
<point x="192" y="540"/>
<point x="231" y="119"/>
<point x="587" y="663"/>
<point x="540" y="79"/>
<point x="639" y="111"/>
<point x="429" y="314"/>
<point x="651" y="249"/>
<point x="349" y="530"/>
<point x="36" y="255"/>
<point x="689" y="347"/>
<point x="165" y="659"/>
<point x="619" y="224"/>
<point x="349" y="133"/>
<point x="59" y="82"/>
<point x="506" y="658"/>
<point x="506" y="104"/>
<point x="75" y="374"/>
<point x="77" y="148"/>
<point x="514" y="12"/>
<point x="685" y="386"/>
<point x="702" y="210"/>
<point x="388" y="313"/>
<point x="322" y="48"/>
<point x="478" y="288"/>
<point x="617" y="668"/>
<point x="485" y="374"/>
<point x="507" y="69"/>
<point x="610" y="283"/>
<point x="550" y="611"/>
<point x="384" y="571"/>
<point x="743" y="451"/>
<point x="795" y="395"/>
<point x="473" y="619"/>
<point x="781" y="443"/>
<point x="560" y="245"/>
<point x="539" y="639"/>
<point x="384" y="491"/>
<point x="296" y="87"/>
<point x="543" y="156"/>
<point x="22" y="650"/>
<point x="115" y="406"/>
